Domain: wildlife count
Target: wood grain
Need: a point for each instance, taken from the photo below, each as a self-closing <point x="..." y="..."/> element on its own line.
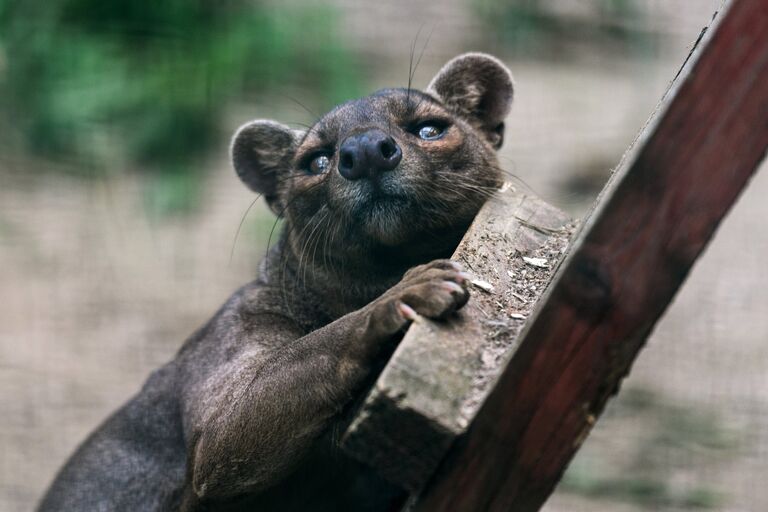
<point x="632" y="254"/>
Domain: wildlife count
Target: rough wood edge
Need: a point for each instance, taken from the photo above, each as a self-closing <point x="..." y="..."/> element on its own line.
<point x="437" y="378"/>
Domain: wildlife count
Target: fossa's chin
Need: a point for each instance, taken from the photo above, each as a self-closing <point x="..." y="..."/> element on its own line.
<point x="388" y="220"/>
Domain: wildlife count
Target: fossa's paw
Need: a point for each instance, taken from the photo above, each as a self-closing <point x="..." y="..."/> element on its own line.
<point x="434" y="290"/>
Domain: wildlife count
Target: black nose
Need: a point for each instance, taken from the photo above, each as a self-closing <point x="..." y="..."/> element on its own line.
<point x="368" y="154"/>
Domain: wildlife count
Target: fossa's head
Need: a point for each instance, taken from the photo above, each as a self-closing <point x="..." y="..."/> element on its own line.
<point x="397" y="174"/>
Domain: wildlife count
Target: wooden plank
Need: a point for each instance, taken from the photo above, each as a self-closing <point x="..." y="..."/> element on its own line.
<point x="436" y="379"/>
<point x="632" y="254"/>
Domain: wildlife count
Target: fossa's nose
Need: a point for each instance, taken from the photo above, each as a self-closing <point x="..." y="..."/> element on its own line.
<point x="368" y="154"/>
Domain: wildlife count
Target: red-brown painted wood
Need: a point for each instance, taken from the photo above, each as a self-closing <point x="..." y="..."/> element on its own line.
<point x="633" y="253"/>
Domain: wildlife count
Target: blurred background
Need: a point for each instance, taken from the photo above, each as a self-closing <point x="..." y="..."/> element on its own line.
<point x="118" y="208"/>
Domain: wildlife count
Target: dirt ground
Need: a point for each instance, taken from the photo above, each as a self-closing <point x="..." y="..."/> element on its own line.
<point x="96" y="292"/>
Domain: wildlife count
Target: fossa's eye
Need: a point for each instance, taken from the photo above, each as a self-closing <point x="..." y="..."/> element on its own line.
<point x="430" y="131"/>
<point x="319" y="164"/>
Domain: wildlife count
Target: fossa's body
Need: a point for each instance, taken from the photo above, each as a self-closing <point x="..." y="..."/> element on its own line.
<point x="246" y="417"/>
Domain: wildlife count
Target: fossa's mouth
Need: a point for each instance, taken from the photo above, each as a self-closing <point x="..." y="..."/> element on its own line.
<point x="380" y="196"/>
<point x="381" y="204"/>
<point x="386" y="218"/>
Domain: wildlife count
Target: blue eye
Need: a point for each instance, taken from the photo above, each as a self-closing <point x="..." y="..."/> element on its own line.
<point x="319" y="164"/>
<point x="430" y="132"/>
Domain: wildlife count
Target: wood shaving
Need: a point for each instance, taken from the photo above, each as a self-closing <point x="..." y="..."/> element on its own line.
<point x="483" y="285"/>
<point x="536" y="262"/>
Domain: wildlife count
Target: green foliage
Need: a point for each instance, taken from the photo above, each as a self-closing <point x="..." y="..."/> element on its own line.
<point x="664" y="439"/>
<point x="145" y="83"/>
<point x="653" y="493"/>
<point x="542" y="28"/>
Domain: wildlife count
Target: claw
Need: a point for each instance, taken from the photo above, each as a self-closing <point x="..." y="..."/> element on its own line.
<point x="465" y="277"/>
<point x="452" y="287"/>
<point x="407" y="311"/>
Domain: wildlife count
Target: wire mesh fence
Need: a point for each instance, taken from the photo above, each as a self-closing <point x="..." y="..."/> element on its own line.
<point x="103" y="276"/>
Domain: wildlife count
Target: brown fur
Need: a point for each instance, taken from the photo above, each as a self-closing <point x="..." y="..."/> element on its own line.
<point x="247" y="415"/>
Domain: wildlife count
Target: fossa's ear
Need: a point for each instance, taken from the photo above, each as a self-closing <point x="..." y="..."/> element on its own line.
<point x="479" y="88"/>
<point x="262" y="151"/>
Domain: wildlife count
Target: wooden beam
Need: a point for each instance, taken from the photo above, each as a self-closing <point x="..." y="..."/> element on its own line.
<point x="437" y="378"/>
<point x="636" y="247"/>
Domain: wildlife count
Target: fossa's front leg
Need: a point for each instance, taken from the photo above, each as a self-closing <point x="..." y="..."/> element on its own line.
<point x="271" y="420"/>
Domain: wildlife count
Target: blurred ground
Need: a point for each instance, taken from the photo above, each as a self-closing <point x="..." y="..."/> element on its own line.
<point x="97" y="289"/>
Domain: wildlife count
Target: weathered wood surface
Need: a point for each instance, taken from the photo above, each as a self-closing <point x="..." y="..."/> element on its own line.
<point x="631" y="255"/>
<point x="441" y="371"/>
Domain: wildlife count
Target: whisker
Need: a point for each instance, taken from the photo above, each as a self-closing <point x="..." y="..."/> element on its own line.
<point x="311" y="113"/>
<point x="280" y="215"/>
<point x="307" y="247"/>
<point x="418" y="61"/>
<point x="410" y="64"/>
<point x="239" y="227"/>
<point x="314" y="246"/>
